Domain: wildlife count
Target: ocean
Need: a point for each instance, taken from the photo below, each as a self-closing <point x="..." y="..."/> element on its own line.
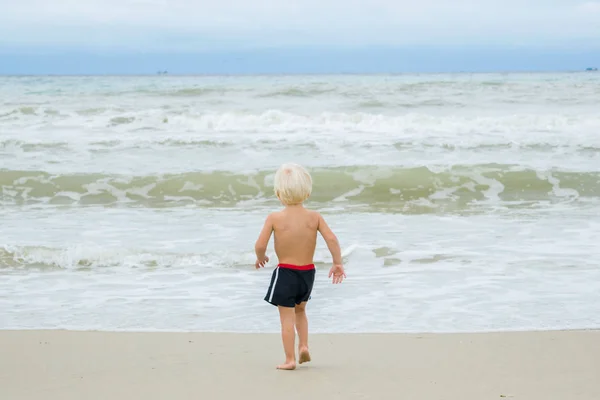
<point x="463" y="202"/>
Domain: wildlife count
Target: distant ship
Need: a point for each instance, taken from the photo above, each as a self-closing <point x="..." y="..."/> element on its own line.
<point x="162" y="72"/>
<point x="591" y="69"/>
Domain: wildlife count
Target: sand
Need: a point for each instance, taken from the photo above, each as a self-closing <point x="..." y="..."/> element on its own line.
<point x="61" y="365"/>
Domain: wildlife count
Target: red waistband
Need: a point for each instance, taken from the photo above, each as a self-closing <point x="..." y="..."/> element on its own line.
<point x="298" y="267"/>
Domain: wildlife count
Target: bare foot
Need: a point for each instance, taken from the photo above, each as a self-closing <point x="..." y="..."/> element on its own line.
<point x="304" y="355"/>
<point x="288" y="366"/>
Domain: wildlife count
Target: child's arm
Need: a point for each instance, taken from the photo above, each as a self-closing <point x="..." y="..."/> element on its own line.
<point x="260" y="247"/>
<point x="337" y="270"/>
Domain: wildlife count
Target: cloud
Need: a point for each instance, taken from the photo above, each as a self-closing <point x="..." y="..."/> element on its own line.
<point x="199" y="24"/>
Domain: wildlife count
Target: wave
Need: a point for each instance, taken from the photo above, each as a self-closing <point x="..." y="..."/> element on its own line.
<point x="83" y="257"/>
<point x="193" y="91"/>
<point x="159" y="141"/>
<point x="394" y="187"/>
<point x="517" y="128"/>
<point x="88" y="256"/>
<point x="343" y="88"/>
<point x="309" y="91"/>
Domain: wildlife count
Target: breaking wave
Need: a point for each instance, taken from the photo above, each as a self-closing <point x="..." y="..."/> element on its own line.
<point x="520" y="128"/>
<point x="394" y="187"/>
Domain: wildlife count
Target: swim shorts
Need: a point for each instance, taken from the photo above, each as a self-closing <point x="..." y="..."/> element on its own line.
<point x="291" y="285"/>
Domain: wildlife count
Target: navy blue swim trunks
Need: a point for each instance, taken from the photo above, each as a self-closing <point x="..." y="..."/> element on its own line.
<point x="291" y="285"/>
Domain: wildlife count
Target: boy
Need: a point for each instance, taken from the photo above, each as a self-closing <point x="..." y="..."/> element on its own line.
<point x="295" y="230"/>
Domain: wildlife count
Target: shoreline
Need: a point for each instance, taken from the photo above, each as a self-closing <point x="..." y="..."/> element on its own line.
<point x="345" y="333"/>
<point x="63" y="364"/>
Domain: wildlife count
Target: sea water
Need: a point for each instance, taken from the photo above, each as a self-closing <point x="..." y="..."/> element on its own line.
<point x="463" y="202"/>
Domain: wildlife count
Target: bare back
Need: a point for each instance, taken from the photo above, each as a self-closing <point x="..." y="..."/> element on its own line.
<point x="295" y="235"/>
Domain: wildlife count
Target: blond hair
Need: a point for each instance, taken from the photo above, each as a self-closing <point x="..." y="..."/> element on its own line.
<point x="292" y="184"/>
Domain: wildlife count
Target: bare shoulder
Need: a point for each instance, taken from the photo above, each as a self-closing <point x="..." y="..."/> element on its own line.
<point x="313" y="214"/>
<point x="274" y="216"/>
<point x="314" y="217"/>
<point x="320" y="221"/>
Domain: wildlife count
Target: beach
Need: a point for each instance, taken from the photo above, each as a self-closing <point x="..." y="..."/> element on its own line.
<point x="466" y="205"/>
<point x="63" y="365"/>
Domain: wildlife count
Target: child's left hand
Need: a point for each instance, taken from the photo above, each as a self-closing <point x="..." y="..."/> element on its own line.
<point x="258" y="264"/>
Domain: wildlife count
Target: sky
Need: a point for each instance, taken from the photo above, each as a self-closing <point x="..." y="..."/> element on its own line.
<point x="296" y="36"/>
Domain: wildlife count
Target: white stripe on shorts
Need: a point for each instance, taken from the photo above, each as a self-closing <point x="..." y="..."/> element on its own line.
<point x="274" y="283"/>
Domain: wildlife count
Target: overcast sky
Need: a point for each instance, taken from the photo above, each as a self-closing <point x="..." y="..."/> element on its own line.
<point x="228" y="26"/>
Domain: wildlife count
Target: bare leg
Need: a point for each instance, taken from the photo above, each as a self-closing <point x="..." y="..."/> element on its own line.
<point x="288" y="335"/>
<point x="302" y="328"/>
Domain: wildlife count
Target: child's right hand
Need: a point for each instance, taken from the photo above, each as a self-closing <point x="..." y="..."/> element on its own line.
<point x="337" y="272"/>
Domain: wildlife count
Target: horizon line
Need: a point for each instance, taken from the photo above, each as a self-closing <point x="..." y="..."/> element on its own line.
<point x="217" y="74"/>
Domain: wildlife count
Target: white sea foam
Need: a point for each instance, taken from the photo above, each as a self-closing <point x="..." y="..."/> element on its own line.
<point x="208" y="140"/>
